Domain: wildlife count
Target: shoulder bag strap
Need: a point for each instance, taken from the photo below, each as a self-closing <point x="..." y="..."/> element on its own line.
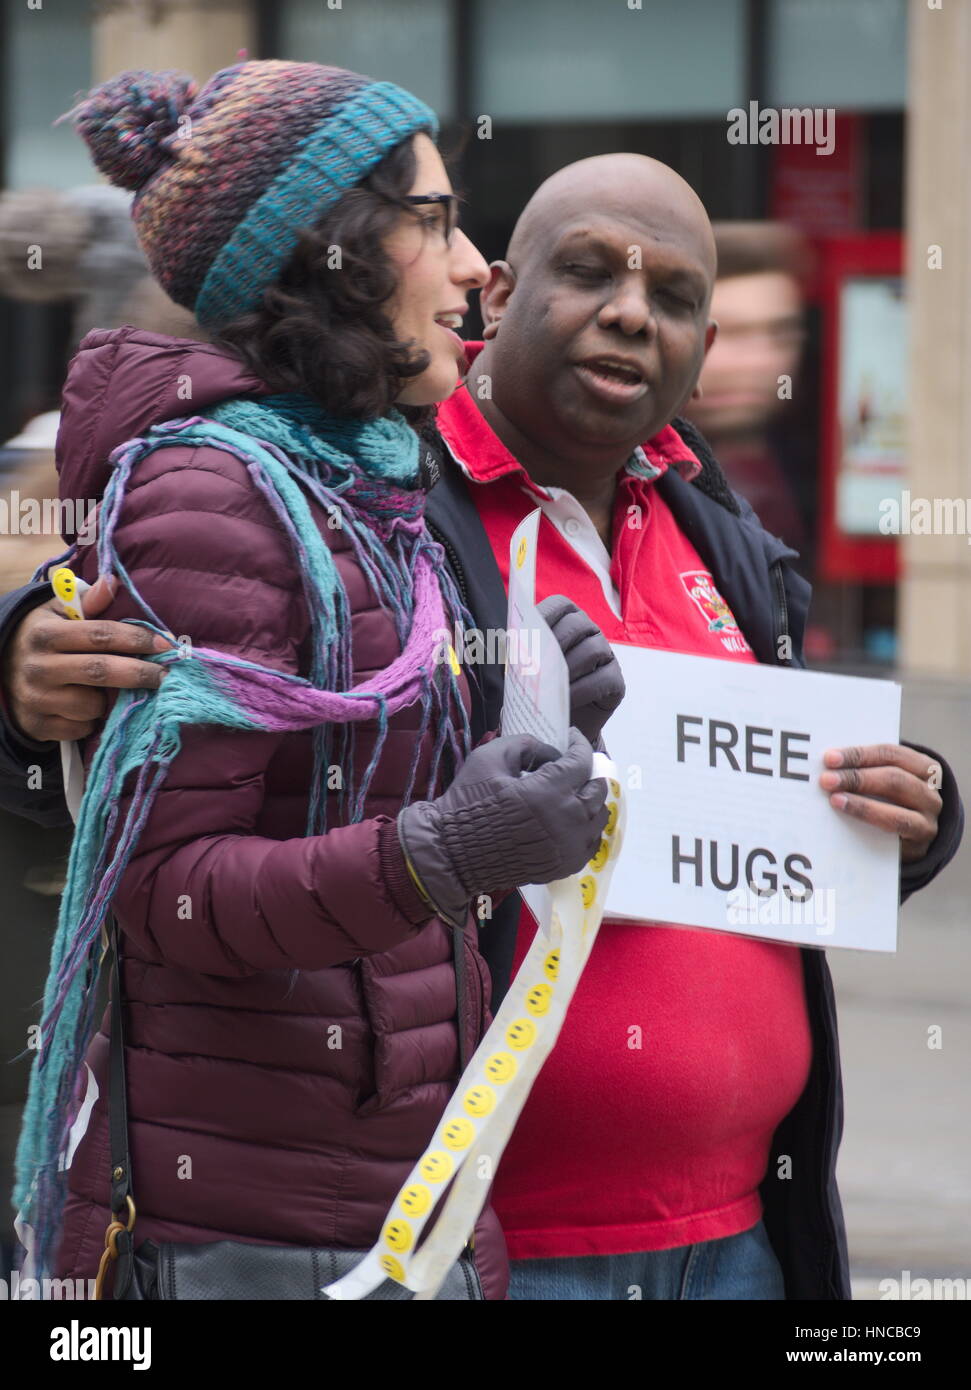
<point x="122" y="1197"/>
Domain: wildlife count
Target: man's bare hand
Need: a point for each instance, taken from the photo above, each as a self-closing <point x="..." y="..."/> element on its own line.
<point x="904" y="783"/>
<point x="56" y="669"/>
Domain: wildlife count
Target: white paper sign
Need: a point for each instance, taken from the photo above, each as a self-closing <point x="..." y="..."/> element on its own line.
<point x="728" y="827"/>
<point x="536" y="695"/>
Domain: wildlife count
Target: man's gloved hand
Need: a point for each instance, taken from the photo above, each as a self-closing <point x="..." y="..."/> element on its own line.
<point x="518" y="812"/>
<point x="596" y="684"/>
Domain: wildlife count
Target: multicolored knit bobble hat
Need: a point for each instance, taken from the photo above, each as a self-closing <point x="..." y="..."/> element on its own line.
<point x="226" y="177"/>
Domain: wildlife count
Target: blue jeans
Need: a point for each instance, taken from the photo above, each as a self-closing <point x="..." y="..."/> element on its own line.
<point x="739" y="1267"/>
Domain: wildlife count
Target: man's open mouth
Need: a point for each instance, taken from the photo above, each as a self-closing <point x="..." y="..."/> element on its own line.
<point x="613" y="379"/>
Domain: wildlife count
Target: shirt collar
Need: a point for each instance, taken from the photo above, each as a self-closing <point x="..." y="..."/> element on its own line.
<point x="482" y="456"/>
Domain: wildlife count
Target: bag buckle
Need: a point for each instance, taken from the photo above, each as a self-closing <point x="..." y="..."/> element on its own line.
<point x="110" y="1252"/>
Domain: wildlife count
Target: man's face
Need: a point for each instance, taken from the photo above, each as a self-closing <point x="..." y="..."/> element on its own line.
<point x="759" y="338"/>
<point x="602" y="338"/>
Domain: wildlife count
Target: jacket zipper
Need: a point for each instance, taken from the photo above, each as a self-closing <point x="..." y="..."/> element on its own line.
<point x="781" y="612"/>
<point x="453" y="559"/>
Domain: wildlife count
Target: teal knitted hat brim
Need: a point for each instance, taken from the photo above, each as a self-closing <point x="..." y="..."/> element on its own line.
<point x="332" y="159"/>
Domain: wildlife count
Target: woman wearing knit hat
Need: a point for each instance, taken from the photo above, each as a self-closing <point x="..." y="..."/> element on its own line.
<point x="290" y="827"/>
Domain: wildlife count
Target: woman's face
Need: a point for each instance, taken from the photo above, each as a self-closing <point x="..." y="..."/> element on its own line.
<point x="434" y="280"/>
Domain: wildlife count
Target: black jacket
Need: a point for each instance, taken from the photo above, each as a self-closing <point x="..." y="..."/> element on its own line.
<point x="770" y="601"/>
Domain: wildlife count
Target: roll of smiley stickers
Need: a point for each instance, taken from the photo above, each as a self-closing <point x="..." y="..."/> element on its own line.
<point x="465" y="1149"/>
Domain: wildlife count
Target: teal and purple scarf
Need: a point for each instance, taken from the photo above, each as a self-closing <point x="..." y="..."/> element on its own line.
<point x="366" y="476"/>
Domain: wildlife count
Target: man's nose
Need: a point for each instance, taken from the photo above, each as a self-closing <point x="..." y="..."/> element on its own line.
<point x="629" y="309"/>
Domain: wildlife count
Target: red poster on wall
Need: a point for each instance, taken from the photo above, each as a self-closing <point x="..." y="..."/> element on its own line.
<point x="864" y="405"/>
<point x="819" y="193"/>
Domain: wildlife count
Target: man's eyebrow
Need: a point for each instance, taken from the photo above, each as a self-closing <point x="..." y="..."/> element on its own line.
<point x="591" y="241"/>
<point x="690" y="278"/>
<point x="595" y="242"/>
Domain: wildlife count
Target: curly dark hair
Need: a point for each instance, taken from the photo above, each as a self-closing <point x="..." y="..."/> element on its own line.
<point x="322" y="329"/>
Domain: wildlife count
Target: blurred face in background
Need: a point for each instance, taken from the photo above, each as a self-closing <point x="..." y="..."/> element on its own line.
<point x="760" y="333"/>
<point x="435" y="274"/>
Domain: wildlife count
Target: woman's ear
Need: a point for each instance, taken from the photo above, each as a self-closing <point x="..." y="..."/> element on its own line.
<point x="495" y="296"/>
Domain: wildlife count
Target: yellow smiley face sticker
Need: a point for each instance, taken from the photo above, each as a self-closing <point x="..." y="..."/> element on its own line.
<point x="551" y="965"/>
<point x="393" y="1268"/>
<point x="436" y="1166"/>
<point x="521" y="553"/>
<point x="64" y="584"/>
<point x="600" y="858"/>
<point x="416" y="1199"/>
<point x="521" y="1034"/>
<point x="500" y="1067"/>
<point x="614" y="787"/>
<point x="538" y="999"/>
<point x="588" y="890"/>
<point x="458" y="1134"/>
<point x="611" y="819"/>
<point x="480" y="1100"/>
<point x="397" y="1234"/>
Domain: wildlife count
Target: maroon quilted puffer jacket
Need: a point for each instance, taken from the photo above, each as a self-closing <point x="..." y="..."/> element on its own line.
<point x="264" y="1105"/>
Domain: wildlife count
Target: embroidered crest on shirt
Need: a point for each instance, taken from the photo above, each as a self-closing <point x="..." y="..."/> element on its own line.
<point x="718" y="617"/>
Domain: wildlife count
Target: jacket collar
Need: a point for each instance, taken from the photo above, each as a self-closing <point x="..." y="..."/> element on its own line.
<point x="766" y="595"/>
<point x="483" y="457"/>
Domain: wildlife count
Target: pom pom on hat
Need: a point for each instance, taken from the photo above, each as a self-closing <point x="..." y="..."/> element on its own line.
<point x="127" y="121"/>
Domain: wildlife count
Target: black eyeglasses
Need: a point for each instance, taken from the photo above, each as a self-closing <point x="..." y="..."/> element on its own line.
<point x="450" y="203"/>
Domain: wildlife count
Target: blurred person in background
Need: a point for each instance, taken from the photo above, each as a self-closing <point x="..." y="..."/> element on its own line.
<point x="77" y="247"/>
<point x="748" y="380"/>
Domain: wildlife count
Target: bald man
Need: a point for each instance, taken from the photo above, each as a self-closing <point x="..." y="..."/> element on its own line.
<point x="681" y="1140"/>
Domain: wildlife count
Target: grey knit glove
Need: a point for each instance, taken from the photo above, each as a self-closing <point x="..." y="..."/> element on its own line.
<point x="596" y="684"/>
<point x="518" y="812"/>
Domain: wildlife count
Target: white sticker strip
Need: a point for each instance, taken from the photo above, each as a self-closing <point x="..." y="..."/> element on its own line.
<point x="72" y="769"/>
<point x="478" y="1121"/>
